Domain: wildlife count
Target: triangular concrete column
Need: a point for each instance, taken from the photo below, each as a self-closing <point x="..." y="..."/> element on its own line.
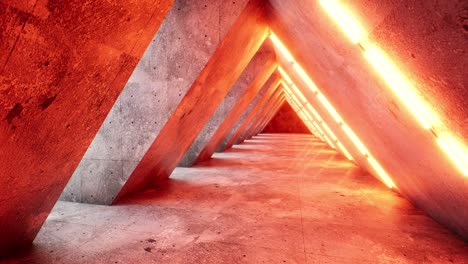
<point x="225" y="66"/>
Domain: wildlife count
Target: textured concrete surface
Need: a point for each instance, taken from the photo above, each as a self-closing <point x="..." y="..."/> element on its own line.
<point x="62" y="66"/>
<point x="262" y="125"/>
<point x="268" y="118"/>
<point x="286" y="121"/>
<point x="274" y="199"/>
<point x="207" y="92"/>
<point x="187" y="39"/>
<point x="269" y="81"/>
<point x="263" y="116"/>
<point x="270" y="87"/>
<point x="428" y="52"/>
<point x="263" y="102"/>
<point x="261" y="67"/>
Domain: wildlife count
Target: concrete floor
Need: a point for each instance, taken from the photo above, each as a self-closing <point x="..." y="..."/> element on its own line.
<point x="274" y="199"/>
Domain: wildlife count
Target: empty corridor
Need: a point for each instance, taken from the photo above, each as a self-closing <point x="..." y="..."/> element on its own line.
<point x="274" y="199"/>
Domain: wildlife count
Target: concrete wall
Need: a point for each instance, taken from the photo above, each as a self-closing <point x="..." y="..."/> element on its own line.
<point x="247" y="112"/>
<point x="286" y="121"/>
<point x="231" y="99"/>
<point x="427" y="40"/>
<point x="62" y="66"/>
<point x="187" y="39"/>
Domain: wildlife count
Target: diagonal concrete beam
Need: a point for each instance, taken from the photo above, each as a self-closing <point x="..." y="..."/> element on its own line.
<point x="260" y="105"/>
<point x="268" y="120"/>
<point x="237" y="111"/>
<point x="262" y="65"/>
<point x="264" y="115"/>
<point x="62" y="72"/>
<point x="266" y="89"/>
<point x="259" y="115"/>
<point x="267" y="115"/>
<point x="226" y="65"/>
<point x="286" y="120"/>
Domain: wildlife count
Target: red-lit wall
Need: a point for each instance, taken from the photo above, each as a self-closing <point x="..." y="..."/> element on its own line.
<point x="286" y="121"/>
<point x="427" y="40"/>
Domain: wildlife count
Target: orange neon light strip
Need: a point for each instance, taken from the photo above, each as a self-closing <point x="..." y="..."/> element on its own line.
<point x="455" y="151"/>
<point x="398" y="83"/>
<point x="312" y="126"/>
<point x="337" y="144"/>
<point x="318" y="119"/>
<point x="303" y="113"/>
<point x="330" y="132"/>
<point x="308" y="117"/>
<point x="350" y="27"/>
<point x="325" y="135"/>
<point x="401" y="87"/>
<point x="332" y="111"/>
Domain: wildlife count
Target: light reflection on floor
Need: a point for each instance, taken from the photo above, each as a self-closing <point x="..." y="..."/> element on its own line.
<point x="274" y="199"/>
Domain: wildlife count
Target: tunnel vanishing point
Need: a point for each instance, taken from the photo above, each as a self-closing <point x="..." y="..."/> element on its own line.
<point x="212" y="131"/>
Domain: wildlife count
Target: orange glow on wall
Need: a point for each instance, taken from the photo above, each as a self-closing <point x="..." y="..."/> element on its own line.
<point x="324" y="129"/>
<point x="382" y="174"/>
<point x="354" y="138"/>
<point x="339" y="145"/>
<point x="287" y="55"/>
<point x="397" y="82"/>
<point x="323" y="136"/>
<point x="345" y="151"/>
<point x="309" y="123"/>
<point x="455" y="151"/>
<point x="301" y="114"/>
<point x="344" y="19"/>
<point x="400" y="86"/>
<point x="329" y="108"/>
<point x="301" y="72"/>
<point x="320" y="125"/>
<point x="299" y="96"/>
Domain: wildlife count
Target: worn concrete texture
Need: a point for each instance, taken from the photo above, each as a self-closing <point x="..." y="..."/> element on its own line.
<point x="428" y="42"/>
<point x="252" y="115"/>
<point x="187" y="39"/>
<point x="62" y="66"/>
<point x="267" y="81"/>
<point x="262" y="115"/>
<point x="258" y="63"/>
<point x="286" y="121"/>
<point x="207" y="92"/>
<point x="261" y="125"/>
<point x="257" y="101"/>
<point x="274" y="199"/>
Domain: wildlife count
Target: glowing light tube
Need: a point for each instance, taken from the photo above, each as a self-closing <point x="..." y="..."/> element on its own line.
<point x="345" y="151"/>
<point x="380" y="171"/>
<point x="347" y="23"/>
<point x="302" y="115"/>
<point x="309" y="123"/>
<point x="354" y="138"/>
<point x="324" y="136"/>
<point x="382" y="174"/>
<point x="455" y="151"/>
<point x="294" y="91"/>
<point x="281" y="47"/>
<point x="396" y="81"/>
<point x="340" y="146"/>
<point x="400" y="86"/>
